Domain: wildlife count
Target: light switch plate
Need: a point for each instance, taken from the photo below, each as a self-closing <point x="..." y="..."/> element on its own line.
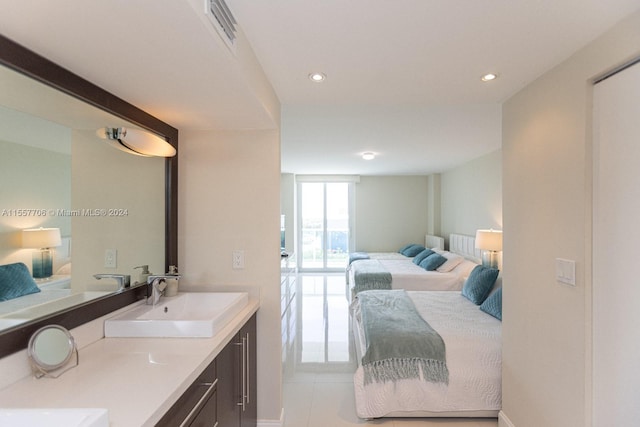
<point x="566" y="271"/>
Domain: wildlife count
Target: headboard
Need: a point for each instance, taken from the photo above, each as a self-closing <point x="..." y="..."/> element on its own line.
<point x="465" y="246"/>
<point x="431" y="241"/>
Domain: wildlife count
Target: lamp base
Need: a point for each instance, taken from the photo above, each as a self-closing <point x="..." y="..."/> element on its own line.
<point x="42" y="264"/>
<point x="490" y="259"/>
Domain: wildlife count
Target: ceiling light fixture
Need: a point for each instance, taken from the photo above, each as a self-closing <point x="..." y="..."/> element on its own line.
<point x="136" y="141"/>
<point x="489" y="77"/>
<point x="317" y="77"/>
<point x="368" y="155"/>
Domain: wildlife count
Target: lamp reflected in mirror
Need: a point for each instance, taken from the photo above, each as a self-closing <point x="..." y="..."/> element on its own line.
<point x="137" y="142"/>
<point x="42" y="240"/>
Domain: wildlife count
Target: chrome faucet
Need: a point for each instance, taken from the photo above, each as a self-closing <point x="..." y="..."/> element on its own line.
<point x="156" y="283"/>
<point x="124" y="280"/>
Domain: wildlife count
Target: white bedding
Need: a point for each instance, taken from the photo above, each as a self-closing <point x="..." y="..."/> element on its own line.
<point x="388" y="255"/>
<point x="473" y="344"/>
<point x="411" y="277"/>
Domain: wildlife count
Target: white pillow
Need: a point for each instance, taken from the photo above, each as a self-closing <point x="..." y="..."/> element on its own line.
<point x="465" y="268"/>
<point x="452" y="261"/>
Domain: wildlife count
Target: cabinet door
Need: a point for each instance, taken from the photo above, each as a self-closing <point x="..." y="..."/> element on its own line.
<point x="249" y="413"/>
<point x="236" y="365"/>
<point x="228" y="364"/>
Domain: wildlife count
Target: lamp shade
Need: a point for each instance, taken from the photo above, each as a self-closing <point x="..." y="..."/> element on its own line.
<point x="489" y="240"/>
<point x="41" y="238"/>
<point x="136" y="141"/>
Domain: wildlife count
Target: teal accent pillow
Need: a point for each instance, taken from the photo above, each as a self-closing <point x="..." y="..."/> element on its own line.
<point x="413" y="250"/>
<point x="405" y="247"/>
<point x="422" y="255"/>
<point x="493" y="304"/>
<point x="15" y="281"/>
<point x="479" y="283"/>
<point x="432" y="262"/>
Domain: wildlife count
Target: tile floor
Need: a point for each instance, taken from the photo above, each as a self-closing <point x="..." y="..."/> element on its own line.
<point x="318" y="387"/>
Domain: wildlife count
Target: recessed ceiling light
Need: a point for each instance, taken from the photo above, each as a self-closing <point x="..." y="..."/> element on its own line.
<point x="489" y="77"/>
<point x="368" y="155"/>
<point x="317" y="77"/>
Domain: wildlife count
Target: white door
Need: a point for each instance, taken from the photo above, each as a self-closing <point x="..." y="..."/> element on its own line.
<point x="616" y="250"/>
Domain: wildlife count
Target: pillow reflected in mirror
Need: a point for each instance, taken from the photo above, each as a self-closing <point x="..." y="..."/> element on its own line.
<point x="16" y="281"/>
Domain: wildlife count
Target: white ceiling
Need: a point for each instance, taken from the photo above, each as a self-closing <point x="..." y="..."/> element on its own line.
<point x="403" y="77"/>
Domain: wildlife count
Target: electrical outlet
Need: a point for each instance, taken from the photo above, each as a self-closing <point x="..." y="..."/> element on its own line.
<point x="238" y="260"/>
<point x="110" y="258"/>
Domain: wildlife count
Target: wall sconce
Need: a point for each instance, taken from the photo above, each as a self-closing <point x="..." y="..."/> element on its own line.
<point x="136" y="141"/>
<point x="42" y="239"/>
<point x="489" y="241"/>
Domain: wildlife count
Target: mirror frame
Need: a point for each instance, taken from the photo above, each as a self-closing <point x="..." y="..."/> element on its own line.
<point x="29" y="63"/>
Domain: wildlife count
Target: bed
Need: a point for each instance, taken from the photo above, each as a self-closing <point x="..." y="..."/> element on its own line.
<point x="472" y="340"/>
<point x="404" y="274"/>
<point x="430" y="241"/>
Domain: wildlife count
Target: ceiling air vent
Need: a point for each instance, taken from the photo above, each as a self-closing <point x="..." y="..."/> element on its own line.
<point x="222" y="19"/>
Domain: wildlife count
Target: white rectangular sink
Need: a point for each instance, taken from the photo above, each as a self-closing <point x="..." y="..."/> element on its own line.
<point x="54" y="417"/>
<point x="189" y="314"/>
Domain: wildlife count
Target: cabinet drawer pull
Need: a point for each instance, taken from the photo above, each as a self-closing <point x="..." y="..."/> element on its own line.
<point x="248" y="370"/>
<point x="194" y="411"/>
<point x="243" y="400"/>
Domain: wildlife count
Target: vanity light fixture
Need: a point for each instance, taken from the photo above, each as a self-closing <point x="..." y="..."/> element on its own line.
<point x="317" y="77"/>
<point x="368" y="155"/>
<point x="42" y="239"/>
<point x="136" y="141"/>
<point x="491" y="242"/>
<point x="489" y="77"/>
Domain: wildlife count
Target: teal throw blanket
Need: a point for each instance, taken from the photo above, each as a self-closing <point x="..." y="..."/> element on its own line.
<point x="370" y="274"/>
<point x="400" y="343"/>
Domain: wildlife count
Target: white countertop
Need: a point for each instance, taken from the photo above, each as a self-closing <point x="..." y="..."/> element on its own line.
<point x="136" y="379"/>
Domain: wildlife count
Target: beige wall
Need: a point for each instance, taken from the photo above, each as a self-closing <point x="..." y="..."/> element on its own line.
<point x="471" y="196"/>
<point x="106" y="178"/>
<point x="230" y="200"/>
<point x="547" y="215"/>
<point x="31" y="178"/>
<point x="391" y="211"/>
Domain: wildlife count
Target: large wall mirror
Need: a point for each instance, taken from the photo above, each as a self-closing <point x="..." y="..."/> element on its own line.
<point x="57" y="173"/>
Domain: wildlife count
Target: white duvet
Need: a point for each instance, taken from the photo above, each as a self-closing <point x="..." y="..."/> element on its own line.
<point x="411" y="277"/>
<point x="473" y="345"/>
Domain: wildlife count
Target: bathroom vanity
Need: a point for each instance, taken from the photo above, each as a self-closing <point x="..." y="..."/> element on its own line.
<point x="151" y="381"/>
<point x="225" y="391"/>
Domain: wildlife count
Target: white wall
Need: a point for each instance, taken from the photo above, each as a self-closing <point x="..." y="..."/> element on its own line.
<point x="288" y="209"/>
<point x="616" y="209"/>
<point x="229" y="191"/>
<point x="471" y="196"/>
<point x="547" y="215"/>
<point x="391" y="211"/>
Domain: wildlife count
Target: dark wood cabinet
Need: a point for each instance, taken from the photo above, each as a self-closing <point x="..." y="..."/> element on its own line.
<point x="237" y="379"/>
<point x="197" y="407"/>
<point x="224" y="395"/>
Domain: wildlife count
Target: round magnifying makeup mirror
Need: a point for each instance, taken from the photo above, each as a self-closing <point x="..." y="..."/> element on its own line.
<point x="50" y="350"/>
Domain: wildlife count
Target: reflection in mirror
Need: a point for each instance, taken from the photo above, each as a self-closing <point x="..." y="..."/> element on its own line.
<point x="51" y="350"/>
<point x="118" y="177"/>
<point x="57" y="173"/>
